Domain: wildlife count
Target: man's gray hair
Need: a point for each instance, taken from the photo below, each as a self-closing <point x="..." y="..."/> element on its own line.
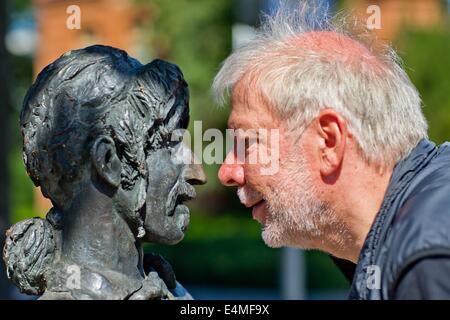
<point x="298" y="75"/>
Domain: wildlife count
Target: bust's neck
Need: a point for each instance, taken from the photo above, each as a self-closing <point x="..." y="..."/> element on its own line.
<point x="94" y="235"/>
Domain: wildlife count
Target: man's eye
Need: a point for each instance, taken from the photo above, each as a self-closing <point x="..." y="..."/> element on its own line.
<point x="242" y="145"/>
<point x="249" y="141"/>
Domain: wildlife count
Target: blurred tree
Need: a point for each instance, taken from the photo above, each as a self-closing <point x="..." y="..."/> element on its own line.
<point x="426" y="54"/>
<point x="21" y="74"/>
<point x="196" y="35"/>
<point x="5" y="111"/>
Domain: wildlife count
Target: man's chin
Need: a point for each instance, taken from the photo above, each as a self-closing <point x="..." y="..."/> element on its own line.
<point x="278" y="238"/>
<point x="271" y="238"/>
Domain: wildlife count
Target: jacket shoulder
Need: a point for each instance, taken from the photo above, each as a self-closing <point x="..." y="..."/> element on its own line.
<point x="422" y="224"/>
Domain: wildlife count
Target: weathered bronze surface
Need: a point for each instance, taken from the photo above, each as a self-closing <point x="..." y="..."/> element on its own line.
<point x="97" y="138"/>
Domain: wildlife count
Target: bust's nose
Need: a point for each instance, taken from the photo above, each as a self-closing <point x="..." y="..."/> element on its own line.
<point x="192" y="170"/>
<point x="194" y="174"/>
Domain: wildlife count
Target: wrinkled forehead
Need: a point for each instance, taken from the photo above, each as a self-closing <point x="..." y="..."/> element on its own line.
<point x="334" y="46"/>
<point x="247" y="100"/>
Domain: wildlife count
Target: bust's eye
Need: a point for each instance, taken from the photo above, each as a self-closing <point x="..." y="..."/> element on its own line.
<point x="159" y="137"/>
<point x="172" y="145"/>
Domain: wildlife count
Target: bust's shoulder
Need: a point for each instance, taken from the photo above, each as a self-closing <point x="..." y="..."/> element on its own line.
<point x="50" y="295"/>
<point x="81" y="282"/>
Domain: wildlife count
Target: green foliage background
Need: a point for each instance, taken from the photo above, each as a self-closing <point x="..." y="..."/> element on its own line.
<point x="426" y="55"/>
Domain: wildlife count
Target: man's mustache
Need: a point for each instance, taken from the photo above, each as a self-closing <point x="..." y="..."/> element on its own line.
<point x="249" y="196"/>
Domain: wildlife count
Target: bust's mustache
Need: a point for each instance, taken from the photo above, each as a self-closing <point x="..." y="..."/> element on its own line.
<point x="181" y="192"/>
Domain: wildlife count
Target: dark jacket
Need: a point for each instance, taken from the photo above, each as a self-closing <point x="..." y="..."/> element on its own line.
<point x="406" y="254"/>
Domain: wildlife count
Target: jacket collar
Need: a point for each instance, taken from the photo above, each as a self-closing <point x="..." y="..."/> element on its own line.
<point x="404" y="171"/>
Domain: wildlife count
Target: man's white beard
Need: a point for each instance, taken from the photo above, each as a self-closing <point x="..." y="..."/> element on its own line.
<point x="295" y="215"/>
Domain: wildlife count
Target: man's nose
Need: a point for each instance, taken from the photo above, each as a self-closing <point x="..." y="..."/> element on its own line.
<point x="230" y="173"/>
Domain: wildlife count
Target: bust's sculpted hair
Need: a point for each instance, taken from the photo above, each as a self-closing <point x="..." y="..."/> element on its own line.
<point x="74" y="100"/>
<point x="79" y="97"/>
<point x="29" y="247"/>
<point x="301" y="62"/>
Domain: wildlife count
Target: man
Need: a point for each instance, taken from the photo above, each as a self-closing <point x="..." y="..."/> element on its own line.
<point x="357" y="176"/>
<point x="97" y="128"/>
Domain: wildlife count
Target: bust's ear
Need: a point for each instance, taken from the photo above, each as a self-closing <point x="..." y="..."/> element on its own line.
<point x="105" y="160"/>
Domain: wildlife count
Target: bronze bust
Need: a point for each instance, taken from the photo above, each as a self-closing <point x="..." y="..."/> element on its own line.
<point x="97" y="138"/>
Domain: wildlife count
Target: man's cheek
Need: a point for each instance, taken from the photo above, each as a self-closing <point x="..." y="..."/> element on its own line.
<point x="254" y="179"/>
<point x="269" y="158"/>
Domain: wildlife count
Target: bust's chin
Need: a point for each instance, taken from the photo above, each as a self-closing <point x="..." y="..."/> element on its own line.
<point x="166" y="237"/>
<point x="164" y="240"/>
<point x="182" y="217"/>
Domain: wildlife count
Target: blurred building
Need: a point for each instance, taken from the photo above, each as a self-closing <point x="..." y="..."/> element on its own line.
<point x="397" y="14"/>
<point x="109" y="22"/>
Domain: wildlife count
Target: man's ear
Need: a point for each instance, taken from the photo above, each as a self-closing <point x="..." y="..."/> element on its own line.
<point x="332" y="134"/>
<point x="105" y="160"/>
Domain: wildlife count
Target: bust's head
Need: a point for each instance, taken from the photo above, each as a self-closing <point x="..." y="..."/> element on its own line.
<point x="98" y="117"/>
